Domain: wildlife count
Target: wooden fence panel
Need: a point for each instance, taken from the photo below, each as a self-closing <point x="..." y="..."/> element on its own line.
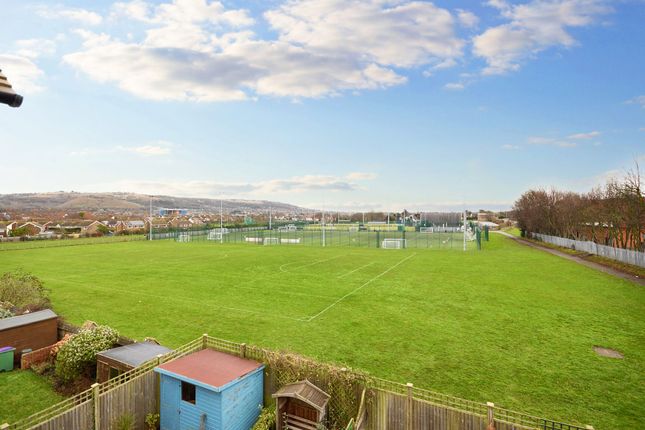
<point x="79" y="417"/>
<point x="137" y="397"/>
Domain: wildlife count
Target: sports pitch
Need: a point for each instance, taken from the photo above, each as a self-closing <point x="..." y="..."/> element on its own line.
<point x="509" y="324"/>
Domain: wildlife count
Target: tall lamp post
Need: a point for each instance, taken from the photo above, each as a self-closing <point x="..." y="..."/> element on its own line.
<point x="7" y="95"/>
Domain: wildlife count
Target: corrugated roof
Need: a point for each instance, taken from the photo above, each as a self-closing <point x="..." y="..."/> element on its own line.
<point x="135" y="354"/>
<point x="306" y="392"/>
<point x="30" y="318"/>
<point x="210" y="367"/>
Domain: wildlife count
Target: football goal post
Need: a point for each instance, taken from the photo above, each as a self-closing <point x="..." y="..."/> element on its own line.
<point x="183" y="237"/>
<point x="214" y="235"/>
<point x="393" y="243"/>
<point x="271" y="241"/>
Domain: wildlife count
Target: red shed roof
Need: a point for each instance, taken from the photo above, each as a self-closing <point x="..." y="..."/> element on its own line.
<point x="211" y="367"/>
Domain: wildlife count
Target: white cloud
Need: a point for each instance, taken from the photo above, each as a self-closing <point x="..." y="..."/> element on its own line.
<point x="532" y="27"/>
<point x="153" y="149"/>
<point x="454" y="86"/>
<point x="207" y="188"/>
<point x="548" y="141"/>
<point x="23" y="74"/>
<point x="361" y="176"/>
<point x="401" y="33"/>
<point x="200" y="51"/>
<point x="467" y="19"/>
<point x="639" y="100"/>
<point x="81" y="16"/>
<point x="584" y="136"/>
<point x="34" y="48"/>
<point x="509" y="147"/>
<point x="570" y="141"/>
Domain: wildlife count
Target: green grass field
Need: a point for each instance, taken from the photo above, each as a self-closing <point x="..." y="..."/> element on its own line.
<point x="23" y="393"/>
<point x="509" y="324"/>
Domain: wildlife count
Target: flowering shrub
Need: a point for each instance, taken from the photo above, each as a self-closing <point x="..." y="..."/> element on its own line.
<point x="5" y="313"/>
<point x="81" y="349"/>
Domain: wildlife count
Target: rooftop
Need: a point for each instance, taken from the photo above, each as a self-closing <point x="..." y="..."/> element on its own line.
<point x="30" y="318"/>
<point x="134" y="354"/>
<point x="209" y="367"/>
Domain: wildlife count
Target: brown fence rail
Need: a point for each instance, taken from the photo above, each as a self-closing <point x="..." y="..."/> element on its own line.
<point x="356" y="398"/>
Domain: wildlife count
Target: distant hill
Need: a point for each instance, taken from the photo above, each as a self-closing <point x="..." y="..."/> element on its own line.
<point x="133" y="203"/>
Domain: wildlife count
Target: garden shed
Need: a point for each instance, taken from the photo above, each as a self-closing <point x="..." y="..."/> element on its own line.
<point x="117" y="360"/>
<point x="300" y="406"/>
<point x="210" y="390"/>
<point x="32" y="331"/>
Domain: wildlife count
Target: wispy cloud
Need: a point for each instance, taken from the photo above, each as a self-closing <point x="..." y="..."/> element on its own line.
<point x="584" y="136"/>
<point x="639" y="100"/>
<point x="454" y="86"/>
<point x="207" y="188"/>
<point x="509" y="147"/>
<point x="570" y="141"/>
<point x="531" y="28"/>
<point x="153" y="149"/>
<point x="82" y="16"/>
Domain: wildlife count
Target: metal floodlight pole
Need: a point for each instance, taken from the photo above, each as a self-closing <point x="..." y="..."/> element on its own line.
<point x="7" y="95"/>
<point x="464" y="230"/>
<point x="323" y="226"/>
<point x="270" y="209"/>
<point x="150" y="217"/>
<point x="221" y="221"/>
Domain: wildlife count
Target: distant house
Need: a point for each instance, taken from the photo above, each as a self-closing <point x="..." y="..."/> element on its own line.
<point x="31" y="228"/>
<point x="9" y="227"/>
<point x="179" y="223"/>
<point x="93" y="228"/>
<point x="134" y="225"/>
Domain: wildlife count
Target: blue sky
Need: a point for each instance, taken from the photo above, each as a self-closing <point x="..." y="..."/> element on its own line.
<point x="353" y="105"/>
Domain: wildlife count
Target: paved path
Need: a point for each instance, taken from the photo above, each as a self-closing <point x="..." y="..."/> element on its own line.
<point x="574" y="258"/>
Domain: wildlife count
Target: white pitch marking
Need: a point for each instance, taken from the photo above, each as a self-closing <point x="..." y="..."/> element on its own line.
<point x="356" y="270"/>
<point x="359" y="288"/>
<point x="308" y="264"/>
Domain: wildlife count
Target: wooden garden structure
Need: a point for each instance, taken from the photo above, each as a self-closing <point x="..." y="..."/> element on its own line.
<point x="300" y="406"/>
<point x="115" y="361"/>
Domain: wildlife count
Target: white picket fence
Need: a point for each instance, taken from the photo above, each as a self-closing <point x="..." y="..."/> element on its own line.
<point x="624" y="255"/>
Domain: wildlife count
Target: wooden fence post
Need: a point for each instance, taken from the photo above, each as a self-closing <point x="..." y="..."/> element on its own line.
<point x="204" y="340"/>
<point x="409" y="406"/>
<point x="491" y="415"/>
<point x="95" y="403"/>
<point x="158" y="390"/>
<point x="243" y="350"/>
<point x="588" y="427"/>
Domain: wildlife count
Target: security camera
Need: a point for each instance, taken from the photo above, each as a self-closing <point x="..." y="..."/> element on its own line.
<point x="7" y="95"/>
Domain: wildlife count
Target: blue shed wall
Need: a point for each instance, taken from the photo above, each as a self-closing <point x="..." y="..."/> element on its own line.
<point x="206" y="402"/>
<point x="242" y="401"/>
<point x="236" y="407"/>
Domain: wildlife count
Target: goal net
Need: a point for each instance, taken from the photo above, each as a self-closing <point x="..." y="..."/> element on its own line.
<point x="183" y="237"/>
<point x="271" y="241"/>
<point x="393" y="244"/>
<point x="214" y="235"/>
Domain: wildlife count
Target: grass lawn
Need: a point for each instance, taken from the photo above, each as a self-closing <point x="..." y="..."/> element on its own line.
<point x="513" y="230"/>
<point x="23" y="393"/>
<point x="510" y="324"/>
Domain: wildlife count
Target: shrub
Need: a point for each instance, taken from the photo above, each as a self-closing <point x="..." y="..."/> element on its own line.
<point x="124" y="422"/>
<point x="152" y="420"/>
<point x="5" y="313"/>
<point x="81" y="349"/>
<point x="22" y="290"/>
<point x="266" y="420"/>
